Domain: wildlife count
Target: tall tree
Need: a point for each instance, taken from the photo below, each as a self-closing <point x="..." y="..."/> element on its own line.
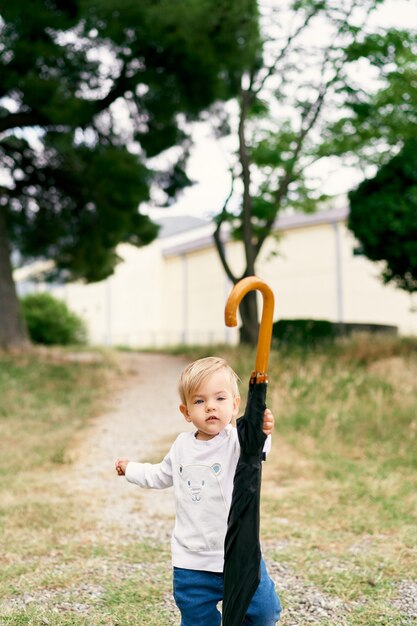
<point x="303" y="103"/>
<point x="383" y="217"/>
<point x="90" y="90"/>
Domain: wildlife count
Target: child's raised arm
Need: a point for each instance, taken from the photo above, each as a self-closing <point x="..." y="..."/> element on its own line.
<point x="121" y="465"/>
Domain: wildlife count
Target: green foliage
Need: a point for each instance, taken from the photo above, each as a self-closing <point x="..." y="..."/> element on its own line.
<point x="303" y="332"/>
<point x="50" y="322"/>
<point x="374" y="123"/>
<point x="312" y="333"/>
<point x="87" y="199"/>
<point x="348" y="99"/>
<point x="383" y="217"/>
<point x="78" y="173"/>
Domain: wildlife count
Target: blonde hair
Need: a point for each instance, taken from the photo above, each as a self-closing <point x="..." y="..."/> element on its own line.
<point x="197" y="371"/>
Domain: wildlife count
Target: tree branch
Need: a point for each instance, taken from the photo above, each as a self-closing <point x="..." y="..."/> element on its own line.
<point x="25" y="119"/>
<point x="217" y="236"/>
<point x="122" y="84"/>
<point x="272" y="68"/>
<point x="247" y="200"/>
<point x="22" y="120"/>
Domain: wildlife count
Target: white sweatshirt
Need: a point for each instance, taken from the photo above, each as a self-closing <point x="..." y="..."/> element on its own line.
<point x="201" y="473"/>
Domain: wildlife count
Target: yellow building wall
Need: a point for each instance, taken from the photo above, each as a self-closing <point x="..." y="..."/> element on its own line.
<point x="159" y="296"/>
<point x="126" y="308"/>
<point x="317" y="275"/>
<point x="198" y="290"/>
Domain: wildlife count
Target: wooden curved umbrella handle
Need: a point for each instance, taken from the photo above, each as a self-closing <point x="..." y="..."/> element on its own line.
<point x="238" y="292"/>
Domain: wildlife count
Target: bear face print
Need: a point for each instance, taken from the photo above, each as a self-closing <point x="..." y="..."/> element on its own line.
<point x="201" y="508"/>
<point x="198" y="477"/>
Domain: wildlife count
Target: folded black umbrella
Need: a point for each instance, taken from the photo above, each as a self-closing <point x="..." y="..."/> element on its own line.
<point x="242" y="545"/>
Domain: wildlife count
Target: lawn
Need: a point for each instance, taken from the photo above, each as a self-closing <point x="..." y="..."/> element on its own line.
<point x="339" y="503"/>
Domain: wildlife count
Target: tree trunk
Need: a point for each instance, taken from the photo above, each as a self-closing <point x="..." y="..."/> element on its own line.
<point x="248" y="332"/>
<point x="248" y="308"/>
<point x="13" y="333"/>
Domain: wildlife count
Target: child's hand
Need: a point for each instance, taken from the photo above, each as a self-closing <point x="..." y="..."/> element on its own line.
<point x="121" y="465"/>
<point x="268" y="423"/>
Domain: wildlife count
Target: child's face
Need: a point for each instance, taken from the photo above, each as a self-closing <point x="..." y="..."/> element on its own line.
<point x="212" y="406"/>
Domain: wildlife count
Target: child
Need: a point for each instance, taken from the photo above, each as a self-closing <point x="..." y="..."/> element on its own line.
<point x="201" y="466"/>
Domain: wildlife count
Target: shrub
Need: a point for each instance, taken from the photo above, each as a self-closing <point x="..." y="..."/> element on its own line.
<point x="309" y="332"/>
<point x="49" y="321"/>
<point x="305" y="332"/>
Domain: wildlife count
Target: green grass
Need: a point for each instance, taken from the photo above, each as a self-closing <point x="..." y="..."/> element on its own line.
<point x="339" y="504"/>
<point x="42" y="403"/>
<point x="45" y="401"/>
<point x="347" y="416"/>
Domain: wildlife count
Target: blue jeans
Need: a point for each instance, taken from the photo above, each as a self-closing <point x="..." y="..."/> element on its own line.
<point x="197" y="594"/>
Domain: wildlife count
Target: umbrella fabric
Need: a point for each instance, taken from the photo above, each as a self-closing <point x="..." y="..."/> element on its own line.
<point x="242" y="547"/>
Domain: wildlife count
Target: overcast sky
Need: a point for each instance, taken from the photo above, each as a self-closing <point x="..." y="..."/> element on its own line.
<point x="210" y="159"/>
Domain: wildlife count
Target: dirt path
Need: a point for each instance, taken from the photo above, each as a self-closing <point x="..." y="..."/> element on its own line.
<point x="143" y="423"/>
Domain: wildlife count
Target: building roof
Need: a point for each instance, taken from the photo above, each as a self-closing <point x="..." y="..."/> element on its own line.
<point x="201" y="235"/>
<point x="302" y="220"/>
<point x="175" y="224"/>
